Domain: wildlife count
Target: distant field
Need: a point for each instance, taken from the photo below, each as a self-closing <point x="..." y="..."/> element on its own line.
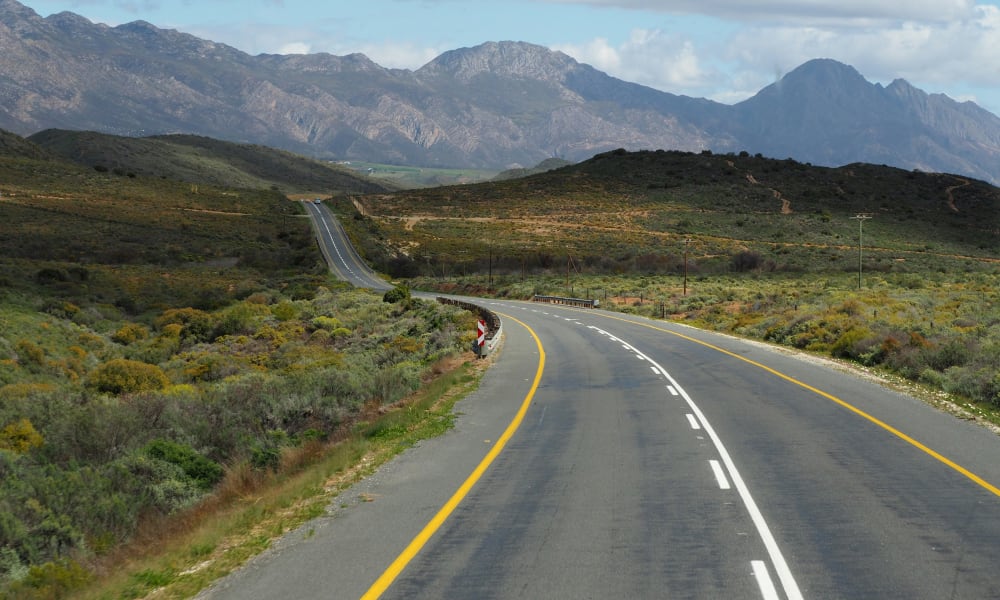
<point x="402" y="177"/>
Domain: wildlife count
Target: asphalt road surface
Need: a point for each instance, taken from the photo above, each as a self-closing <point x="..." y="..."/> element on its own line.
<point x="340" y="255"/>
<point x="610" y="456"/>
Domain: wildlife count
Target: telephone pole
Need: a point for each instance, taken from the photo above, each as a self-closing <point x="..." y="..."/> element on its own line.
<point x="687" y="242"/>
<point x="861" y="218"/>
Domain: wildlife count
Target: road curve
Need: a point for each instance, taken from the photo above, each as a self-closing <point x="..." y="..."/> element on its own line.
<point x="644" y="459"/>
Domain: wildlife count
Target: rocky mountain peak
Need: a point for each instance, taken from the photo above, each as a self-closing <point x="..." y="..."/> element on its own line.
<point x="519" y="60"/>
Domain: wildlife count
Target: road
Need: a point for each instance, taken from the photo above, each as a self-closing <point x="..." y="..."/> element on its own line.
<point x="340" y="255"/>
<point x="610" y="456"/>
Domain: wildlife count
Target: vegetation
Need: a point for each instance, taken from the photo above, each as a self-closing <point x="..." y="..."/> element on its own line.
<point x="202" y="161"/>
<point x="164" y="343"/>
<point x="404" y="177"/>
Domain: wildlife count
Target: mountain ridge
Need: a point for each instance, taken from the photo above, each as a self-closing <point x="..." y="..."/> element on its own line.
<point x="498" y="105"/>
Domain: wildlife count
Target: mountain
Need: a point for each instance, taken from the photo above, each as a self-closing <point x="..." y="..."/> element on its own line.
<point x="827" y="113"/>
<point x="497" y="105"/>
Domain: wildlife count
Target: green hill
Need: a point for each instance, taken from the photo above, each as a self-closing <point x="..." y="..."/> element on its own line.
<point x="14" y="146"/>
<point x="632" y="212"/>
<point x="202" y="160"/>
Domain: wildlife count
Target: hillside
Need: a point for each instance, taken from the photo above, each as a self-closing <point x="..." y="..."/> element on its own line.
<point x="164" y="345"/>
<point x="14" y="146"/>
<point x="548" y="164"/>
<point x="495" y="106"/>
<point x="631" y="212"/>
<point x="201" y="160"/>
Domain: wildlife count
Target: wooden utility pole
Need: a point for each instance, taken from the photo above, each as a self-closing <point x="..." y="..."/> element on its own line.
<point x="687" y="242"/>
<point x="861" y="217"/>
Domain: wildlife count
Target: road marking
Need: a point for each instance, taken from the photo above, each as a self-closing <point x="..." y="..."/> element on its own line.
<point x="843" y="403"/>
<point x="764" y="580"/>
<point x="673" y="391"/>
<point x="720" y="475"/>
<point x="655" y="370"/>
<point x="410" y="552"/>
<point x="785" y="576"/>
<point x="693" y="422"/>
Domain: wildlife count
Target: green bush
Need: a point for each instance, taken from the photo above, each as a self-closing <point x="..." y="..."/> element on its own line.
<point x="397" y="294"/>
<point x="56" y="579"/>
<point x="122" y="376"/>
<point x="203" y="472"/>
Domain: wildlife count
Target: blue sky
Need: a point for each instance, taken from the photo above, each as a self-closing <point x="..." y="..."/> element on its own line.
<point x="721" y="49"/>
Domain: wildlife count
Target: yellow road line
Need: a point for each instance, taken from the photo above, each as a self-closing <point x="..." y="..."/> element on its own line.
<point x="389" y="576"/>
<point x="940" y="457"/>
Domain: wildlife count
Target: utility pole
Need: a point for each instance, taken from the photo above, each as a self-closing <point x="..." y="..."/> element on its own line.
<point x="687" y="243"/>
<point x="861" y="217"/>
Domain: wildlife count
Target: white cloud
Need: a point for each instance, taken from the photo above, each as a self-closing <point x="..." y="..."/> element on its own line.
<point x="396" y="55"/>
<point x="798" y="10"/>
<point x="648" y="57"/>
<point x="295" y="48"/>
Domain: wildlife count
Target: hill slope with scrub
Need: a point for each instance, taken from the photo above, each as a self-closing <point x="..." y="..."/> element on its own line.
<point x="762" y="248"/>
<point x="167" y="343"/>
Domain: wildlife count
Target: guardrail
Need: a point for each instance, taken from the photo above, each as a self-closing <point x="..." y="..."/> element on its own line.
<point x="494" y="326"/>
<point x="567" y="301"/>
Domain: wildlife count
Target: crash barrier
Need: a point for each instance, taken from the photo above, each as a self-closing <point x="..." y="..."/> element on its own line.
<point x="494" y="327"/>
<point x="567" y="301"/>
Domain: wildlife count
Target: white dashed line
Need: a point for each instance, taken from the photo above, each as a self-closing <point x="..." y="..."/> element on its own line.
<point x="720" y="475"/>
<point x="693" y="421"/>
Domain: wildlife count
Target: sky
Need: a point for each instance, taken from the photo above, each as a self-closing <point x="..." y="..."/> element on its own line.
<point x="725" y="50"/>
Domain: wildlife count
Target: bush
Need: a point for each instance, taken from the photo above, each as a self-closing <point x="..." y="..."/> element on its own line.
<point x="52" y="580"/>
<point x="20" y="437"/>
<point x="122" y="376"/>
<point x="203" y="472"/>
<point x="746" y="261"/>
<point x="130" y="333"/>
<point x="397" y="294"/>
<point x="197" y="325"/>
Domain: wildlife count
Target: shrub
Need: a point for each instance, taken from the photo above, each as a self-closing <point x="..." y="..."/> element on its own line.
<point x="20" y="437"/>
<point x="197" y="324"/>
<point x="52" y="580"/>
<point x="328" y="323"/>
<point x="121" y="376"/>
<point x="203" y="472"/>
<point x="746" y="261"/>
<point x="130" y="333"/>
<point x="851" y="344"/>
<point x="397" y="294"/>
<point x="30" y="353"/>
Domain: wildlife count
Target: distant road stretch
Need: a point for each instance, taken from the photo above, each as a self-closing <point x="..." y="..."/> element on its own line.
<point x="340" y="254"/>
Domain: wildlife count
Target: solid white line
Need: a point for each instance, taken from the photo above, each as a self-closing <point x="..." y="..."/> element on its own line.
<point x="693" y="421"/>
<point x="720" y="475"/>
<point x="764" y="580"/>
